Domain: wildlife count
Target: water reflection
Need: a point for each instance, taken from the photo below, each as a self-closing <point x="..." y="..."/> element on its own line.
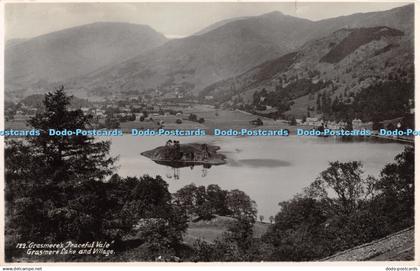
<point x="296" y="162"/>
<point x="174" y="167"/>
<point x="260" y="163"/>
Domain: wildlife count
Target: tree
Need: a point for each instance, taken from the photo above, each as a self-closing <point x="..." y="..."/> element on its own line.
<point x="296" y="234"/>
<point x="261" y="218"/>
<point x="396" y="188"/>
<point x="49" y="178"/>
<point x="240" y="232"/>
<point x="341" y="210"/>
<point x="203" y="207"/>
<point x="236" y="244"/>
<point x="240" y="205"/>
<point x="217" y="198"/>
<point x="192" y="117"/>
<point x="202" y="203"/>
<point x="149" y="205"/>
<point x="292" y="121"/>
<point x="194" y="201"/>
<point x="112" y="123"/>
<point x="345" y="180"/>
<point x="79" y="155"/>
<point x="219" y="250"/>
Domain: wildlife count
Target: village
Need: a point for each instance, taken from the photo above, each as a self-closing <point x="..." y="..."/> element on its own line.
<point x="150" y="112"/>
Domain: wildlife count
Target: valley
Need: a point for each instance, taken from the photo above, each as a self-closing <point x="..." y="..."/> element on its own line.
<point x="250" y="64"/>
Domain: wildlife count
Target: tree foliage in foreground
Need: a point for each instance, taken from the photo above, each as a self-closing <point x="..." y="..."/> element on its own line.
<point x="203" y="203"/>
<point x="58" y="189"/>
<point x="49" y="179"/>
<point x="341" y="209"/>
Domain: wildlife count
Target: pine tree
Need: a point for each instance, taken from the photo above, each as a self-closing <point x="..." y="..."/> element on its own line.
<point x="53" y="183"/>
<point x="72" y="159"/>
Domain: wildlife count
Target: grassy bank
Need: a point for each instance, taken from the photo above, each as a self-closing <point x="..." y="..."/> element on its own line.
<point x="210" y="230"/>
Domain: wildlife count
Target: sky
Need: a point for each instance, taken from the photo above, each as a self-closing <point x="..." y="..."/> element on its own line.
<point x="174" y="20"/>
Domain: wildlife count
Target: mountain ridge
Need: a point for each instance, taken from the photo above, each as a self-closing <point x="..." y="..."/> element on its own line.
<point x="189" y="65"/>
<point x="343" y="63"/>
<point x="63" y="54"/>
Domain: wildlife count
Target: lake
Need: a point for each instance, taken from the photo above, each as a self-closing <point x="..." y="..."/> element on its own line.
<point x="268" y="169"/>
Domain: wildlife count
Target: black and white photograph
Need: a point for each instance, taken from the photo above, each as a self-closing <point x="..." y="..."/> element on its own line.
<point x="195" y="132"/>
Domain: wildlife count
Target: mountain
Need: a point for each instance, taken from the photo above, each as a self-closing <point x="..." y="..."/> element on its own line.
<point x="401" y="18"/>
<point x="218" y="24"/>
<point x="73" y="52"/>
<point x="187" y="65"/>
<point x="13" y="42"/>
<point x="340" y="65"/>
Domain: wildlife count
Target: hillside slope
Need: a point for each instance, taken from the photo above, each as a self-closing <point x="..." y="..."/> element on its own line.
<point x="340" y="65"/>
<point x="115" y="61"/>
<point x="218" y="24"/>
<point x="60" y="55"/>
<point x="187" y="66"/>
<point x="398" y="246"/>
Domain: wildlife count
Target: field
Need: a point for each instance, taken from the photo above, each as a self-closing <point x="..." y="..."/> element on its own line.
<point x="213" y="118"/>
<point x="16" y="125"/>
<point x="224" y="119"/>
<point x="212" y="229"/>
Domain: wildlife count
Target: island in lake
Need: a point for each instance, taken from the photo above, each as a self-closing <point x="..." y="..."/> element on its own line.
<point x="179" y="155"/>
